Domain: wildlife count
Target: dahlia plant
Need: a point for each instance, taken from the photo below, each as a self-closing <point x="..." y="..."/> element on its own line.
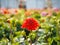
<point x="30" y="28"/>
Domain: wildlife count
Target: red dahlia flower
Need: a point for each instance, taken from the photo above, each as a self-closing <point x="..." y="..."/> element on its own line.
<point x="30" y="24"/>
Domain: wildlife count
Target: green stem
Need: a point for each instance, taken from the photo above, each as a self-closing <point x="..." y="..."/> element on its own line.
<point x="31" y="39"/>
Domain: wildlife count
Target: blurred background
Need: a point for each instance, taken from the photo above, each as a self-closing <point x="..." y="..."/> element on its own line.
<point x="29" y="4"/>
<point x="29" y="22"/>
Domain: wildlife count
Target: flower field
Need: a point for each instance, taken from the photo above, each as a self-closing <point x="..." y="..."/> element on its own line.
<point x="29" y="27"/>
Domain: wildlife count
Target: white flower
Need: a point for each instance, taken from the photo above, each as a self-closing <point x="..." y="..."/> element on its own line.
<point x="41" y="30"/>
<point x="33" y="44"/>
<point x="22" y="39"/>
<point x="28" y="39"/>
<point x="9" y="43"/>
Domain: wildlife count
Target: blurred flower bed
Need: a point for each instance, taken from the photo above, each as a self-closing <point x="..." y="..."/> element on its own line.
<point x="29" y="27"/>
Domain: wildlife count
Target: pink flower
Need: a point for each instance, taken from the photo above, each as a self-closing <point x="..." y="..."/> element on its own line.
<point x="44" y="13"/>
<point x="56" y="9"/>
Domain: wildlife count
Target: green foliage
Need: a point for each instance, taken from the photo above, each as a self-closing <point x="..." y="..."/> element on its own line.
<point x="12" y="33"/>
